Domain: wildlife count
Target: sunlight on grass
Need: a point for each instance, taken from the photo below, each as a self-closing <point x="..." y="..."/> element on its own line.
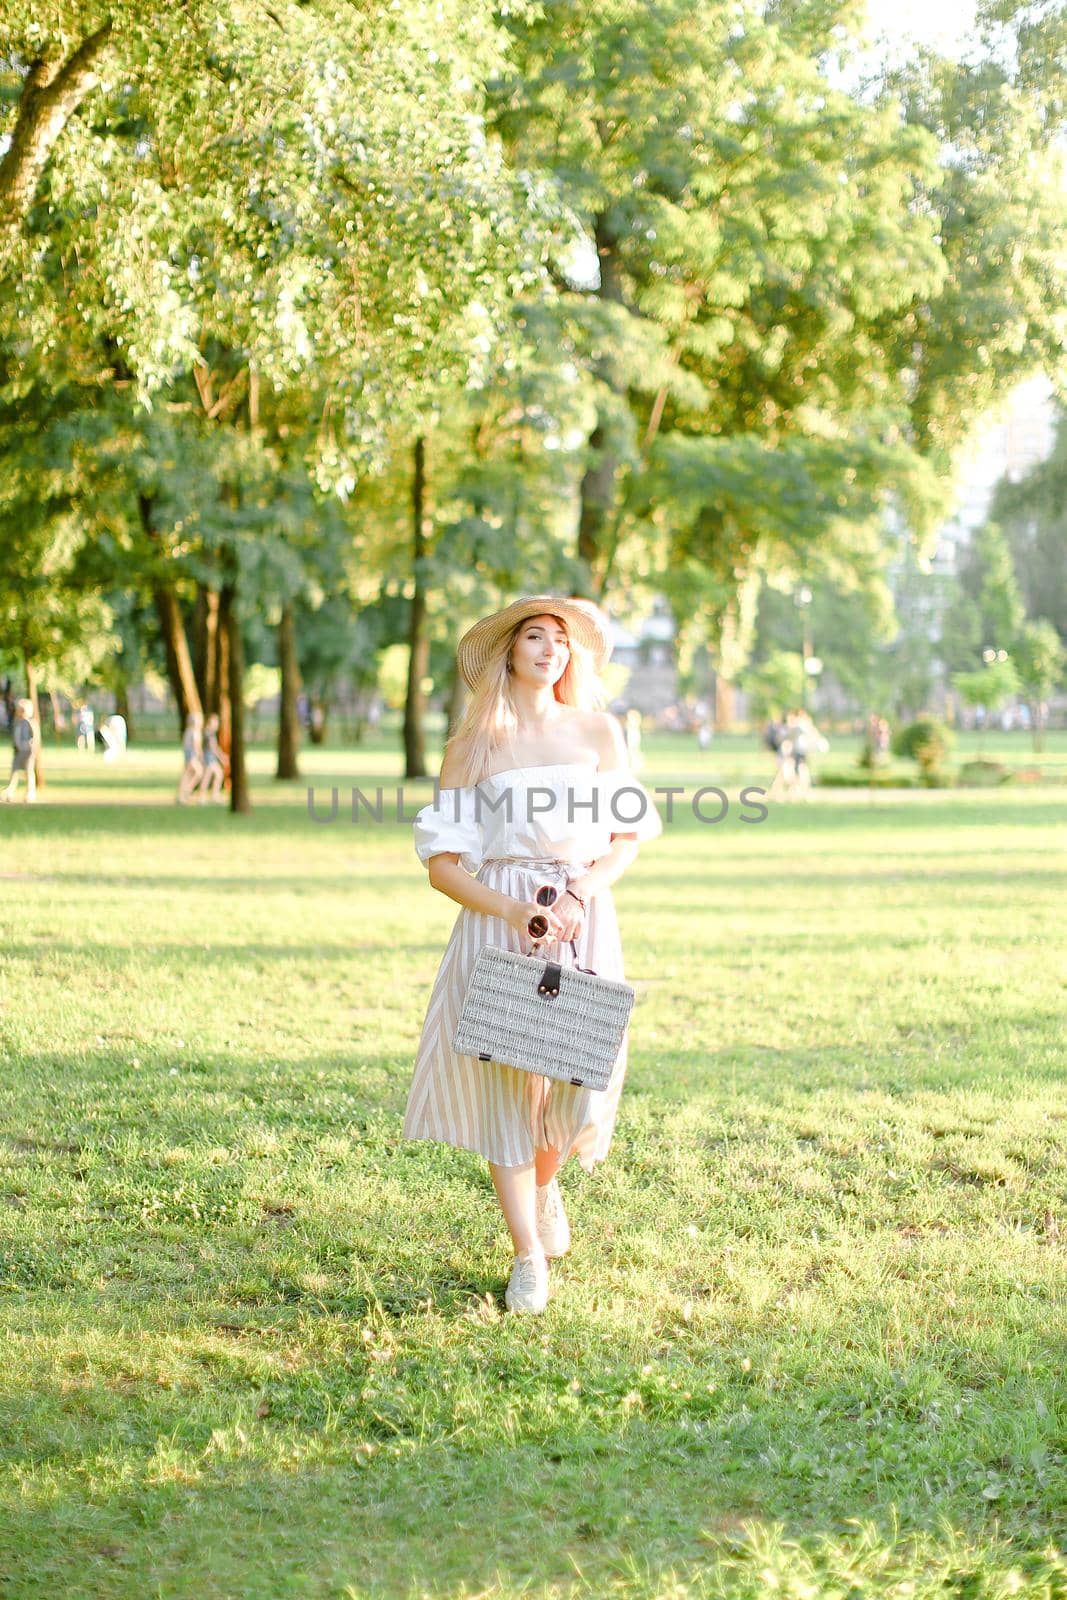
<point x="809" y="1340"/>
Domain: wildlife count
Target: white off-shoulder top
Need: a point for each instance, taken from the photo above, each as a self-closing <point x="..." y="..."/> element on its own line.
<point x="567" y="810"/>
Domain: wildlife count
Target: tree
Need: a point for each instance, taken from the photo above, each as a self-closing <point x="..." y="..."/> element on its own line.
<point x="53" y="88"/>
<point x="1040" y="659"/>
<point x="311" y="203"/>
<point x="987" y="578"/>
<point x="1033" y="515"/>
<point x="758" y="233"/>
<point x="988" y="686"/>
<point x="1000" y="205"/>
<point x="776" y="684"/>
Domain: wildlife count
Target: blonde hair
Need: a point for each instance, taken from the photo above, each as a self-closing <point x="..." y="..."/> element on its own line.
<point x="490" y="721"/>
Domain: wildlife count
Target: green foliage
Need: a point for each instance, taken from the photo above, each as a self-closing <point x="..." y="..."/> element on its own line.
<point x="988" y="686"/>
<point x="776" y="684"/>
<point x="1040" y="658"/>
<point x="983" y="774"/>
<point x="653" y="265"/>
<point x="393" y="675"/>
<point x="927" y="741"/>
<point x="1033" y="514"/>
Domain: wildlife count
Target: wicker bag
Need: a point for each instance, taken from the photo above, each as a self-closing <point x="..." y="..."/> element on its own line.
<point x="564" y="1022"/>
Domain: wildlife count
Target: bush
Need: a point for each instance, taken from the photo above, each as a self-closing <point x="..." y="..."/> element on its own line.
<point x="928" y="742"/>
<point x="983" y="774"/>
<point x="879" y="779"/>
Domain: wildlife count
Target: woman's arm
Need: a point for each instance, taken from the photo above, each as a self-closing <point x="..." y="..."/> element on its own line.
<point x="450" y="878"/>
<point x="607" y="868"/>
<point x="447" y="875"/>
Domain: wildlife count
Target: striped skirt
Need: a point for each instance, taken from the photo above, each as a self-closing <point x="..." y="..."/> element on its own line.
<point x="502" y="1113"/>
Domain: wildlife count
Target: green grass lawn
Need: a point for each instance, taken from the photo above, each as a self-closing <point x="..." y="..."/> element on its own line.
<point x="810" y="1340"/>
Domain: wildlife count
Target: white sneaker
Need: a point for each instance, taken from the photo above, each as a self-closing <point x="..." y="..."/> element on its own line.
<point x="553" y="1229"/>
<point x="527" y="1288"/>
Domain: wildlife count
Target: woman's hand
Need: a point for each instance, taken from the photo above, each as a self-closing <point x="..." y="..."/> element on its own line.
<point x="521" y="911"/>
<point x="571" y="916"/>
<point x="585" y="887"/>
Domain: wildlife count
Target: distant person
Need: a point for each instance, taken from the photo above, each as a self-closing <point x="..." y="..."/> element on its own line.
<point x="704" y="735"/>
<point x="773" y="734"/>
<point x="776" y="740"/>
<point x="85" y="737"/>
<point x="214" y="772"/>
<point x="804" y="739"/>
<point x="877" y="739"/>
<point x="114" y="731"/>
<point x="25" y="744"/>
<point x="192" y="756"/>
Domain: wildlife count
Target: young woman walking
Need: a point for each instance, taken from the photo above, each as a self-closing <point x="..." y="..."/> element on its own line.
<point x="534" y="791"/>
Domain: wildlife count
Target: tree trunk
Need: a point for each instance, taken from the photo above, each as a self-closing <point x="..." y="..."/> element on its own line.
<point x="418" y="641"/>
<point x="206" y="647"/>
<point x="599" y="482"/>
<point x="288" y="721"/>
<point x="179" y="662"/>
<point x="122" y="706"/>
<point x="240" y="799"/>
<point x="175" y="644"/>
<point x="725" y="712"/>
<point x="222" y="675"/>
<point x="52" y="92"/>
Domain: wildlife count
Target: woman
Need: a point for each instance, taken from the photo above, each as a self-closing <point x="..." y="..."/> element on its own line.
<point x="192" y="756"/>
<point x="214" y="774"/>
<point x="24" y="747"/>
<point x="534" y="790"/>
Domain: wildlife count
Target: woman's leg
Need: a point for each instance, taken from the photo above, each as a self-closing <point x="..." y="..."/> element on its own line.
<point x="546" y="1165"/>
<point x="515" y="1191"/>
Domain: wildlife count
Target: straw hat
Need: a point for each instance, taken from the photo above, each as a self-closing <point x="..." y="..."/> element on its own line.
<point x="586" y="625"/>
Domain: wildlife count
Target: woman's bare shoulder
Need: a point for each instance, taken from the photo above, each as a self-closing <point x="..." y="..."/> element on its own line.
<point x="605" y="733"/>
<point x="451" y="774"/>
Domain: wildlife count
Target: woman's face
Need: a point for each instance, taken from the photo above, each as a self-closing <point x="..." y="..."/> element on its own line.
<point x="541" y="651"/>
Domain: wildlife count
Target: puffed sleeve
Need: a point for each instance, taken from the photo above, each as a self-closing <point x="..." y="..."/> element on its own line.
<point x="451" y="824"/>
<point x="628" y="807"/>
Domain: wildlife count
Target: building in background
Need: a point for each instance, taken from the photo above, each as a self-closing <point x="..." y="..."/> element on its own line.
<point x="646" y="649"/>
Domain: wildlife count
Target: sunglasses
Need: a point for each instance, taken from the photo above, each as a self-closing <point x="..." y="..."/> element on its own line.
<point x="537" y="926"/>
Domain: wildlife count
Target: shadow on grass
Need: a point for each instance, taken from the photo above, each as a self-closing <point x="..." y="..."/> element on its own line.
<point x="244" y="1387"/>
<point x="504" y="1452"/>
